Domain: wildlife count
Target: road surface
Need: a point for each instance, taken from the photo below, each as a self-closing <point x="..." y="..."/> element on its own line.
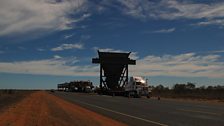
<point x="150" y="112"/>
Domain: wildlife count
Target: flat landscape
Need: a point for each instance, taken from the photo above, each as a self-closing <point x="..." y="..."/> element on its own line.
<point x="10" y="97"/>
<point x="111" y="62"/>
<point x="38" y="108"/>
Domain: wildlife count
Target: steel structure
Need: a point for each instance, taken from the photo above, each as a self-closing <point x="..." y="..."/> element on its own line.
<point x="113" y="70"/>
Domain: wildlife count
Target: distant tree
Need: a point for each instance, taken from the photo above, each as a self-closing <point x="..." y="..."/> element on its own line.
<point x="202" y="88"/>
<point x="152" y="87"/>
<point x="219" y="88"/>
<point x="209" y="89"/>
<point x="190" y="86"/>
<point x="179" y="88"/>
<point x="159" y="87"/>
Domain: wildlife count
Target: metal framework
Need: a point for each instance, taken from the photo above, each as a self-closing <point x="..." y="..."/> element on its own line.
<point x="113" y="70"/>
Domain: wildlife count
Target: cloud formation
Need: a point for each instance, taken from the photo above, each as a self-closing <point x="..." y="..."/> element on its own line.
<point x="165" y="30"/>
<point x="213" y="13"/>
<point x="57" y="57"/>
<point x="219" y="22"/>
<point x="54" y="66"/>
<point x="217" y="51"/>
<point x="183" y="65"/>
<point x="22" y="16"/>
<point x="68" y="36"/>
<point x="67" y="46"/>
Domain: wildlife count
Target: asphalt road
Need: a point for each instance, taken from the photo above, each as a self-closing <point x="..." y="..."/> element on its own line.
<point x="149" y="112"/>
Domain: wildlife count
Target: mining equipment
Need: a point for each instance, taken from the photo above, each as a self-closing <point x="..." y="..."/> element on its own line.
<point x="114" y="74"/>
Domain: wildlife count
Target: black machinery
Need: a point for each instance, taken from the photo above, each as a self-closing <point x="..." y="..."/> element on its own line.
<point x="113" y="71"/>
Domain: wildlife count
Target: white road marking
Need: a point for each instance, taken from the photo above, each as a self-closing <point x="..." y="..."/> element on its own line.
<point x="106" y="109"/>
<point x="202" y="112"/>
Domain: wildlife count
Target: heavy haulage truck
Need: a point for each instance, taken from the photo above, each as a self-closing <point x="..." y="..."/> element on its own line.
<point x="114" y="76"/>
<point x="76" y="86"/>
<point x="137" y="87"/>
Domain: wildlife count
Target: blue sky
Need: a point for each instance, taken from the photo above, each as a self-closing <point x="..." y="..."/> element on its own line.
<point x="46" y="42"/>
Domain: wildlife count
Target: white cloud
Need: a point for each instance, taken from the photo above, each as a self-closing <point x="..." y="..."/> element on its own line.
<point x="110" y="50"/>
<point x="136" y="8"/>
<point x="26" y="16"/>
<point x="219" y="22"/>
<point x="185" y="65"/>
<point x="57" y="57"/>
<point x="173" y="9"/>
<point x="218" y="51"/>
<point x="68" y="36"/>
<point x="54" y="66"/>
<point x="22" y="16"/>
<point x="67" y="46"/>
<point x="165" y="30"/>
<point x="83" y="17"/>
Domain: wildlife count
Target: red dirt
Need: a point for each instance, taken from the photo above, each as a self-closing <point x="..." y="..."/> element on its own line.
<point x="43" y="109"/>
<point x="7" y="99"/>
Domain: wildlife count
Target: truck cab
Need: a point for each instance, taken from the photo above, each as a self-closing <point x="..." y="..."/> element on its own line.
<point x="137" y="87"/>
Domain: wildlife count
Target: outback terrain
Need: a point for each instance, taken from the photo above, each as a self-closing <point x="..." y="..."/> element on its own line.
<point x="40" y="108"/>
<point x="57" y="108"/>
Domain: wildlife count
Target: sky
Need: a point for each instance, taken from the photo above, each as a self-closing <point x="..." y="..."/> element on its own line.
<point x="47" y="42"/>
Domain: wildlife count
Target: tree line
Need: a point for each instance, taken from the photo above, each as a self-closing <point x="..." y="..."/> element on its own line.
<point x="189" y="90"/>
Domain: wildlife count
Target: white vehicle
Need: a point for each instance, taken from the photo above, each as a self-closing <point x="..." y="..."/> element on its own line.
<point x="88" y="89"/>
<point x="137" y="87"/>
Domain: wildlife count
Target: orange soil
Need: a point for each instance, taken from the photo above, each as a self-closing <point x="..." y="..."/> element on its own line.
<point x="43" y="109"/>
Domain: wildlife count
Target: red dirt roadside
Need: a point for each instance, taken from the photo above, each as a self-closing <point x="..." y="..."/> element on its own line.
<point x="43" y="109"/>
